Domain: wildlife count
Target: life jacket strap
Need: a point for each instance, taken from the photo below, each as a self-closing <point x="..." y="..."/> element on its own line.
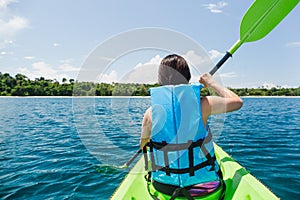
<point x="190" y="145"/>
<point x="183" y="191"/>
<point x="191" y="160"/>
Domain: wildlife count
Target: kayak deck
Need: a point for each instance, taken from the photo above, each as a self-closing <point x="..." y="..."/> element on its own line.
<point x="240" y="184"/>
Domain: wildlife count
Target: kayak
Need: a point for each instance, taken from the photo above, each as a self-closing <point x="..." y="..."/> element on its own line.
<point x="240" y="184"/>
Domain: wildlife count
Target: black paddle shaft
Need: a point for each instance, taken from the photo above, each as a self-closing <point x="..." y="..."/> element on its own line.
<point x="133" y="157"/>
<point x="220" y="63"/>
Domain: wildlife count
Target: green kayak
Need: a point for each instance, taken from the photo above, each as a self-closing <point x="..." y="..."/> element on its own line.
<point x="240" y="184"/>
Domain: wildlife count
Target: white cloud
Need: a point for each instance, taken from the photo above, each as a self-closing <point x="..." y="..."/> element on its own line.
<point x="228" y="75"/>
<point x="5" y="43"/>
<point x="194" y="59"/>
<point x="143" y="72"/>
<point x="198" y="63"/>
<point x="153" y="61"/>
<point x="4" y="4"/>
<point x="215" y="55"/>
<point x="28" y="57"/>
<point x="42" y="69"/>
<point x="108" y="78"/>
<point x="10" y="23"/>
<point x="293" y="44"/>
<point x="68" y="67"/>
<point x="216" y="7"/>
<point x="3" y="53"/>
<point x="56" y="44"/>
<point x="147" y="73"/>
<point x="23" y="70"/>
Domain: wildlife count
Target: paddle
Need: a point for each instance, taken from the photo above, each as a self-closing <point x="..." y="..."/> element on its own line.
<point x="132" y="158"/>
<point x="259" y="20"/>
<point x="126" y="165"/>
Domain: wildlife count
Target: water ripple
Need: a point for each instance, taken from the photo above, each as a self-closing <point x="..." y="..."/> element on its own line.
<point x="42" y="155"/>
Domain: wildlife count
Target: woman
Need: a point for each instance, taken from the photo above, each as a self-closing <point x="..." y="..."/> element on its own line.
<point x="181" y="148"/>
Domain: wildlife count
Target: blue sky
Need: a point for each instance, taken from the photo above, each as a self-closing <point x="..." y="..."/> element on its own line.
<point x="53" y="38"/>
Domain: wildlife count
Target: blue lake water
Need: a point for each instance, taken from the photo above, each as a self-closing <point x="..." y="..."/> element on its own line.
<point x="51" y="148"/>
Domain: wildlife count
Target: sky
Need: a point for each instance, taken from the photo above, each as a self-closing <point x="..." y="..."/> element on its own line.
<point x="58" y="38"/>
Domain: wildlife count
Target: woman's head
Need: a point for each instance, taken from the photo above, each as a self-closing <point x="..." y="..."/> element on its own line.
<point x="173" y="70"/>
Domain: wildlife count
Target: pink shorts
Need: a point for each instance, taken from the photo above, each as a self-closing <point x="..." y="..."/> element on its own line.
<point x="204" y="188"/>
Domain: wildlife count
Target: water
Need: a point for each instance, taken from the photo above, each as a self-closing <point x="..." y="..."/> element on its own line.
<point x="52" y="148"/>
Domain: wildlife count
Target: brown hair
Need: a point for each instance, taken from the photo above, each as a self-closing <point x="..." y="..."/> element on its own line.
<point x="173" y="70"/>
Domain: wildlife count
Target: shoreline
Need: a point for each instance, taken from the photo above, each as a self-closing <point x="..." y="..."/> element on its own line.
<point x="107" y="97"/>
<point x="73" y="97"/>
<point x="288" y="97"/>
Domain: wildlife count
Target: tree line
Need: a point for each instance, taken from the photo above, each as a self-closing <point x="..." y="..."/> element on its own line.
<point x="20" y="85"/>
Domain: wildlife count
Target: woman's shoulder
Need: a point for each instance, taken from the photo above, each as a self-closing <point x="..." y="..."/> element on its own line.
<point x="148" y="116"/>
<point x="148" y="112"/>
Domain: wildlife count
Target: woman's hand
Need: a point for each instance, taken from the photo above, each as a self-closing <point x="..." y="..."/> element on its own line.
<point x="207" y="80"/>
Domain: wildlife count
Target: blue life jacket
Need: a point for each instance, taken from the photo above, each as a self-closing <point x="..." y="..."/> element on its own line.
<point x="181" y="148"/>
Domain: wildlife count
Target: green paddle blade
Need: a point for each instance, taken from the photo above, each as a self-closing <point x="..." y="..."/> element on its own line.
<point x="261" y="18"/>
